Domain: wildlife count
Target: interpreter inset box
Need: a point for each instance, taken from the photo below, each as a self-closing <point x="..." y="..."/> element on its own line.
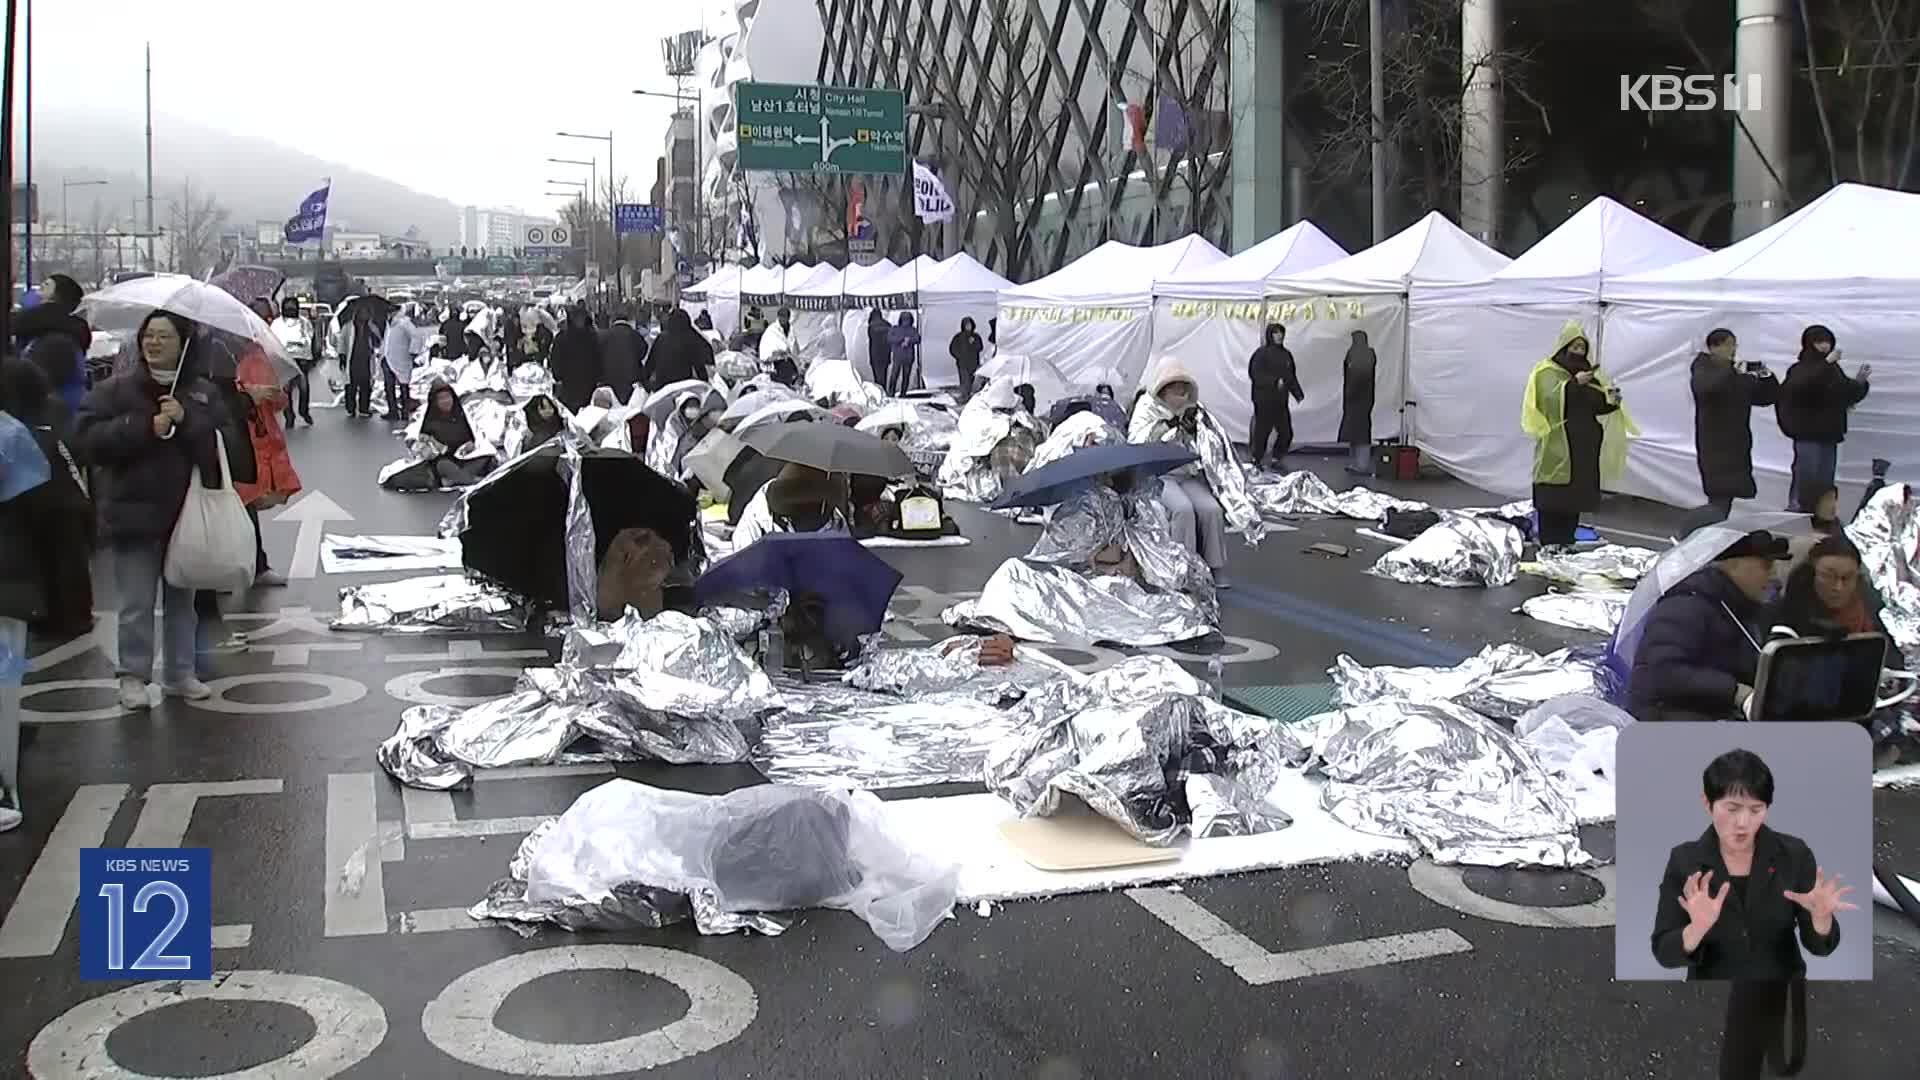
<point x="1745" y="852"/>
<point x="146" y="913"/>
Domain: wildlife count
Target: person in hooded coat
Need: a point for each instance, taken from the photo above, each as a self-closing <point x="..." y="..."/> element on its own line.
<point x="903" y="343"/>
<point x="799" y="499"/>
<point x="965" y="348"/>
<point x="1724" y="397"/>
<point x="681" y="353"/>
<point x="543" y="421"/>
<point x="445" y="422"/>
<point x="1358" y="373"/>
<point x="1169" y="413"/>
<point x="1814" y="400"/>
<point x="453" y="334"/>
<point x="1276" y="385"/>
<point x="357" y="343"/>
<point x="575" y="360"/>
<point x="879" y="347"/>
<point x="1579" y="429"/>
<point x="145" y="432"/>
<point x="528" y="341"/>
<point x="1699" y="648"/>
<point x="56" y="339"/>
<point x="623" y="358"/>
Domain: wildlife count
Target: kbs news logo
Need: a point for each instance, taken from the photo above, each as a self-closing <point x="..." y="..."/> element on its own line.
<point x="1689" y="93"/>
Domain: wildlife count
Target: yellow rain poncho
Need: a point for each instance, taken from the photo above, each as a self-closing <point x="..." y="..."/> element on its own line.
<point x="1543" y="415"/>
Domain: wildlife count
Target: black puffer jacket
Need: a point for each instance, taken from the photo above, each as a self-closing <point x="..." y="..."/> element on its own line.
<point x="1696" y="649"/>
<point x="681" y="353"/>
<point x="575" y="362"/>
<point x="1814" y="399"/>
<point x="141" y="479"/>
<point x="1723" y="404"/>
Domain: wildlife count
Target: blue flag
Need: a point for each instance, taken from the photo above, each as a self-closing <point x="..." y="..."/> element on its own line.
<point x="311" y="222"/>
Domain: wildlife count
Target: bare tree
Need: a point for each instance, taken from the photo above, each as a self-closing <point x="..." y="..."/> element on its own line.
<point x="1182" y="75"/>
<point x="1425" y="77"/>
<point x="194" y="229"/>
<point x="1863" y="67"/>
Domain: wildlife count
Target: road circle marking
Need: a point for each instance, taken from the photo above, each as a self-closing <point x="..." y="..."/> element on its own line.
<point x="68" y="716"/>
<point x="348" y="1026"/>
<point x="460" y="1021"/>
<point x="1102" y="657"/>
<point x="1244" y="651"/>
<point x="412" y="687"/>
<point x="1448" y="885"/>
<point x="339" y="691"/>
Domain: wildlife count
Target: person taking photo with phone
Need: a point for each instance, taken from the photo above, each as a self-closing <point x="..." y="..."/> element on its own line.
<point x="1725" y="393"/>
<point x="1814" y="400"/>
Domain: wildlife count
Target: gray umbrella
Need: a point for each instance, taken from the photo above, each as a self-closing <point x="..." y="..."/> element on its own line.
<point x="831" y="448"/>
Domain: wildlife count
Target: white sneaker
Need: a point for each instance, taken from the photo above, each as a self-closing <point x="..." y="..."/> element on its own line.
<point x="10" y="818"/>
<point x="133" y="694"/>
<point x="189" y="688"/>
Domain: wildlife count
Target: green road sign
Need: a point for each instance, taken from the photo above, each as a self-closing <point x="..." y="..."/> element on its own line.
<point x="787" y="128"/>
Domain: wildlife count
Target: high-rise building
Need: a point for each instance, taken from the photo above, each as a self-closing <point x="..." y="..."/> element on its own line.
<point x="492" y="231"/>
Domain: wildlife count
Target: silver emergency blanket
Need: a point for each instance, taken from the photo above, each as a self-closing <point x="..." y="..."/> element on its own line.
<point x="1887" y="532"/>
<point x="1452" y="781"/>
<point x="1080" y="429"/>
<point x="1080" y="527"/>
<point x="1300" y="493"/>
<point x="835" y="382"/>
<point x="1056" y="605"/>
<point x="1574" y="739"/>
<point x="1224" y="472"/>
<point x="832" y="735"/>
<point x="1460" y="552"/>
<point x="1608" y="563"/>
<point x="616" y="856"/>
<point x="441" y="604"/>
<point x="529" y="381"/>
<point x="1596" y="611"/>
<point x="1145" y="746"/>
<point x="384" y="554"/>
<point x="735" y="365"/>
<point x="967" y="473"/>
<point x="491" y="419"/>
<point x="679" y="690"/>
<point x="952" y="667"/>
<point x="465" y="374"/>
<point x="1501" y="681"/>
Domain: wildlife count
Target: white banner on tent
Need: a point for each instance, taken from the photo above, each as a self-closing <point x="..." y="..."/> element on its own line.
<point x="1215" y="339"/>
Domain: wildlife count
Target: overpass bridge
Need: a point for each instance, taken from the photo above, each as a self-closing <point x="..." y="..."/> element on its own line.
<point x="455" y="267"/>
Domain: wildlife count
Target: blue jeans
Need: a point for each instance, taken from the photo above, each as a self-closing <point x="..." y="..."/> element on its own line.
<point x="13" y="668"/>
<point x="136" y="574"/>
<point x="1814" y="466"/>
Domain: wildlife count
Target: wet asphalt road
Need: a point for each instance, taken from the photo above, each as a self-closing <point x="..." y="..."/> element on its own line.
<point x="1080" y="986"/>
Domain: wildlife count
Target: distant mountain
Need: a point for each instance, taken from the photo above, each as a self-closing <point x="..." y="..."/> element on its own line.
<point x="256" y="180"/>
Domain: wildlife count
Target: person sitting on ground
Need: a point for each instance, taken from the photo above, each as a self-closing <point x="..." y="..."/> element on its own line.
<point x="1171" y="413"/>
<point x="800" y="499"/>
<point x="1829" y="596"/>
<point x="544" y="421"/>
<point x="443" y="422"/>
<point x="1700" y="646"/>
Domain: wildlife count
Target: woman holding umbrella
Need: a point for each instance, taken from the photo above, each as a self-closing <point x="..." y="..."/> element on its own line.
<point x="145" y="431"/>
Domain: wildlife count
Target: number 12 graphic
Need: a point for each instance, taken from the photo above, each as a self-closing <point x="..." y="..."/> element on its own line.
<point x="152" y="958"/>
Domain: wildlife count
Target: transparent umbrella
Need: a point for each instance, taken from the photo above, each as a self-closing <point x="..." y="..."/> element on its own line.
<point x="1699" y="548"/>
<point x="120" y="308"/>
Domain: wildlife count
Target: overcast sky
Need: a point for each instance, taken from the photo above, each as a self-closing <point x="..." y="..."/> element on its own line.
<point x="505" y="76"/>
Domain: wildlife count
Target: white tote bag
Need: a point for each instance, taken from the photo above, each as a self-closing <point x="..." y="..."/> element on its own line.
<point x="212" y="545"/>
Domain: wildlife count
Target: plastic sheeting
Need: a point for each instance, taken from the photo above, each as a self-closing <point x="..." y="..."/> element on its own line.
<point x="1145" y="745"/>
<point x="672" y="688"/>
<point x="441" y="604"/>
<point x="1460" y="552"/>
<point x="1887" y="532"/>
<point x="382" y="554"/>
<point x="620" y="853"/>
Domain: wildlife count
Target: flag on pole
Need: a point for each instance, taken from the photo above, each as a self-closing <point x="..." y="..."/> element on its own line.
<point x="930" y="199"/>
<point x="311" y="221"/>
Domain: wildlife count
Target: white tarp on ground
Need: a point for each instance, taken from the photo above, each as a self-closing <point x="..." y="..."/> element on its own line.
<point x="1845" y="261"/>
<point x="819" y="307"/>
<point x="719" y="297"/>
<point x="1210" y="319"/>
<point x="863" y="298"/>
<point x="1368" y="293"/>
<point x="947" y="291"/>
<point x="1471" y="345"/>
<point x="1095" y="315"/>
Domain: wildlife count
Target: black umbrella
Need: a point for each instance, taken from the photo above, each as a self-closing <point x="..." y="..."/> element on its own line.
<point x="831" y="448"/>
<point x="517" y="520"/>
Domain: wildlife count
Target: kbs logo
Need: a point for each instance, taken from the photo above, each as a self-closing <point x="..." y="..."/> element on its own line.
<point x="1690" y="93"/>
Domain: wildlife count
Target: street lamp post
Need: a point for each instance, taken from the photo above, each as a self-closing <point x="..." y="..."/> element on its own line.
<point x="699" y="180"/>
<point x="613" y="224"/>
<point x="66" y="223"/>
<point x="592" y="165"/>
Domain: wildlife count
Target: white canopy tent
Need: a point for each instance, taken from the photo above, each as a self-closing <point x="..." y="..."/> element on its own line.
<point x="943" y="293"/>
<point x="874" y="292"/>
<point x="1210" y="318"/>
<point x="1367" y="293"/>
<point x="1472" y="344"/>
<point x="719" y="297"/>
<point x="1092" y="319"/>
<point x="818" y="307"/>
<point x="1846" y="261"/>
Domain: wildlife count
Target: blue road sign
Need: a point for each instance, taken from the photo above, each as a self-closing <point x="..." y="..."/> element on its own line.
<point x="636" y="218"/>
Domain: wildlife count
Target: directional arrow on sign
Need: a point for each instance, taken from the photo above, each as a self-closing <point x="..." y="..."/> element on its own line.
<point x="312" y="511"/>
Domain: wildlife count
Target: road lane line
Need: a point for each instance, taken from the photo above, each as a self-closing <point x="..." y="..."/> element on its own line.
<point x="422" y="806"/>
<point x="353" y="829"/>
<point x="38" y="919"/>
<point x="1258" y="967"/>
<point x="168" y="809"/>
<point x="435" y="920"/>
<point x="461" y="830"/>
<point x="540" y="772"/>
<point x="235" y="936"/>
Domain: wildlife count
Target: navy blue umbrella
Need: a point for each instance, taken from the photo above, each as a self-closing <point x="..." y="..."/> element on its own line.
<point x="1062" y="480"/>
<point x="853" y="584"/>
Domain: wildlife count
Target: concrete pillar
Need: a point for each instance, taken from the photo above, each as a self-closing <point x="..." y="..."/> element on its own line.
<point x="1482" y="138"/>
<point x="1763" y="62"/>
<point x="1257" y="102"/>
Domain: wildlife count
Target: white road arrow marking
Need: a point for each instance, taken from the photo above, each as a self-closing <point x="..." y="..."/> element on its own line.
<point x="312" y="511"/>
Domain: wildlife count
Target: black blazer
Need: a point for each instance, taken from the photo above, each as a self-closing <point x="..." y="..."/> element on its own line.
<point x="1754" y="936"/>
